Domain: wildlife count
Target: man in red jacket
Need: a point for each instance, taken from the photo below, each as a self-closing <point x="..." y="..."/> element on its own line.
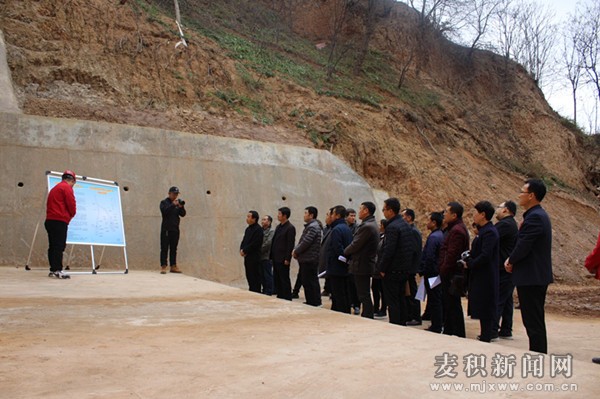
<point x="60" y="209"/>
<point x="592" y="262"/>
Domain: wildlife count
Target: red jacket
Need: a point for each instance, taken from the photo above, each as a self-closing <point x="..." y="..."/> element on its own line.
<point x="592" y="262"/>
<point x="456" y="241"/>
<point x="61" y="203"/>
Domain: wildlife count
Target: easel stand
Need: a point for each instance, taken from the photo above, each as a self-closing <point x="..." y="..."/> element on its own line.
<point x="87" y="201"/>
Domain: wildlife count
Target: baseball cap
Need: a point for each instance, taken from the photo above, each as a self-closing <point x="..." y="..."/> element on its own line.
<point x="69" y="173"/>
<point x="174" y="189"/>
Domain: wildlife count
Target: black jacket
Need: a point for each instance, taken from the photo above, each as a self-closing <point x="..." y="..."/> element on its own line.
<point x="532" y="256"/>
<point x="309" y="245"/>
<point x="508" y="231"/>
<point x="483" y="273"/>
<point x="283" y="242"/>
<point x="170" y="215"/>
<point x="397" y="252"/>
<point x="417" y="249"/>
<point x="252" y="242"/>
<point x="363" y="249"/>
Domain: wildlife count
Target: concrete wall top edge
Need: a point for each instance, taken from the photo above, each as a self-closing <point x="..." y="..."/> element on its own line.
<point x="71" y="134"/>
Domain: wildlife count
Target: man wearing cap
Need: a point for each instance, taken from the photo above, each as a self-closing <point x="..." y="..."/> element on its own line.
<point x="172" y="209"/>
<point x="60" y="209"/>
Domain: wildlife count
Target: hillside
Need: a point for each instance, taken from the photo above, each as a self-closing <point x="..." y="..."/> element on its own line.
<point x="462" y="127"/>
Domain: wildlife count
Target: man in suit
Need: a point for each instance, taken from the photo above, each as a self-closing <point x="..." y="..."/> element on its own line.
<point x="396" y="261"/>
<point x="337" y="269"/>
<point x="456" y="241"/>
<point x="250" y="250"/>
<point x="281" y="253"/>
<point x="508" y="231"/>
<point x="483" y="271"/>
<point x="531" y="263"/>
<point x="363" y="254"/>
<point x="413" y="305"/>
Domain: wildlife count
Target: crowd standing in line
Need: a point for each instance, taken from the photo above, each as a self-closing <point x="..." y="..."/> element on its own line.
<point x="360" y="260"/>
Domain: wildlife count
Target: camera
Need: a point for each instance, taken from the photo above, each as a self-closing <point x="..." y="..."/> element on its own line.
<point x="465" y="256"/>
<point x="181" y="202"/>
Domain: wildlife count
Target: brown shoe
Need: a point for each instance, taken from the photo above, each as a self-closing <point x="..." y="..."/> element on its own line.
<point x="175" y="269"/>
<point x="163" y="270"/>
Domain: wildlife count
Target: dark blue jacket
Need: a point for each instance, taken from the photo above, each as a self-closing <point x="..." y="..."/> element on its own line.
<point x="532" y="256"/>
<point x="431" y="252"/>
<point x="338" y="239"/>
<point x="484" y="273"/>
<point x="397" y="252"/>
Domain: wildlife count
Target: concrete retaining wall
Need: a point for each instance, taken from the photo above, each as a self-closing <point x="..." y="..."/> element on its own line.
<point x="220" y="179"/>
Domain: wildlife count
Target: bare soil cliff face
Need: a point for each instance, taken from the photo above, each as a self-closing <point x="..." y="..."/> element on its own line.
<point x="105" y="61"/>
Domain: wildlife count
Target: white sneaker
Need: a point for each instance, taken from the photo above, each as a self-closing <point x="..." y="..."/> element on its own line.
<point x="59" y="274"/>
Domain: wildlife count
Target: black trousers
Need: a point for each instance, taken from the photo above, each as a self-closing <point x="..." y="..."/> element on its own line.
<point x="394" y="289"/>
<point x="57" y="242"/>
<point x="340" y="296"/>
<point x="266" y="277"/>
<point x="413" y="304"/>
<point x="486" y="328"/>
<point x="378" y="298"/>
<point x="281" y="280"/>
<point x="434" y="306"/>
<point x="298" y="283"/>
<point x="363" y="291"/>
<point x="354" y="299"/>
<point x="532" y="299"/>
<point x="168" y="244"/>
<point x="505" y="304"/>
<point x="454" y="318"/>
<point x="310" y="282"/>
<point x="252" y="265"/>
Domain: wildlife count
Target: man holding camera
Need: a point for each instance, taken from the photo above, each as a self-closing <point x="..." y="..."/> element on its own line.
<point x="172" y="209"/>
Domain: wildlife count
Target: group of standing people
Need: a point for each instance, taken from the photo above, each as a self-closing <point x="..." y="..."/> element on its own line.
<point x="386" y="257"/>
<point x="346" y="259"/>
<point x="500" y="257"/>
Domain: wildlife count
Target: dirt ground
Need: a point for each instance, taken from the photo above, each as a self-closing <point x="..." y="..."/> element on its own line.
<point x="146" y="335"/>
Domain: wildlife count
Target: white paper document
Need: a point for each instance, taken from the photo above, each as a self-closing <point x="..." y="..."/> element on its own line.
<point x="420" y="295"/>
<point x="434" y="281"/>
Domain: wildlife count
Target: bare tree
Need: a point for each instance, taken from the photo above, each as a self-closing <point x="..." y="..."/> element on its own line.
<point x="588" y="43"/>
<point x="337" y="48"/>
<point x="433" y="12"/>
<point x="506" y="31"/>
<point x="369" y="22"/>
<point x="535" y="40"/>
<point x="571" y="61"/>
<point x="525" y="33"/>
<point x="398" y="42"/>
<point x="479" y="16"/>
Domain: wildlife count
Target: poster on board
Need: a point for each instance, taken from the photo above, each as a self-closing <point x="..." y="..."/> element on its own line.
<point x="99" y="218"/>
